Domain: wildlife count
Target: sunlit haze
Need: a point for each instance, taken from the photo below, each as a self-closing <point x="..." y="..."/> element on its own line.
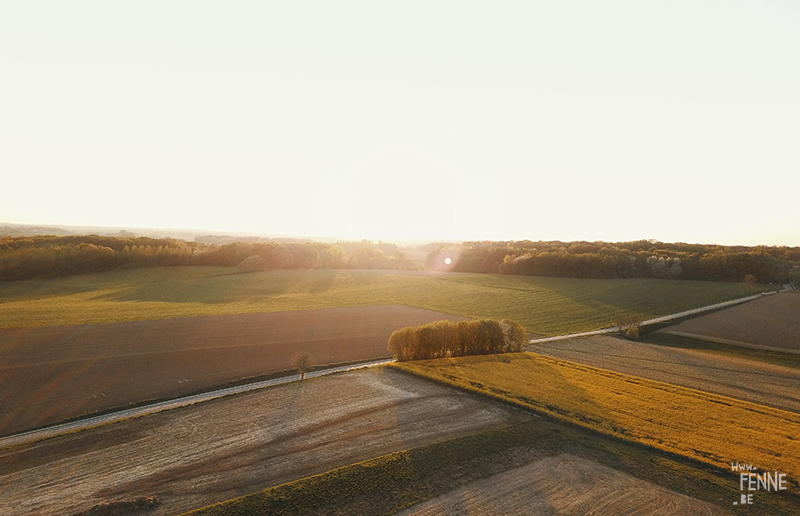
<point x="402" y="121"/>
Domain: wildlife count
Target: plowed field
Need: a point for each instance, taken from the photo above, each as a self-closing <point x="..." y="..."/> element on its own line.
<point x="765" y="384"/>
<point x="54" y="373"/>
<point x="214" y="451"/>
<point x="771" y="322"/>
<point x="563" y="484"/>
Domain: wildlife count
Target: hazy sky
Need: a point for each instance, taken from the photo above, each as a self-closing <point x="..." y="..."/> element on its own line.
<point x="557" y="120"/>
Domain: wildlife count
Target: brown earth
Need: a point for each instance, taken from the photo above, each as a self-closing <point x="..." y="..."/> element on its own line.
<point x="563" y="484"/>
<point x="55" y="373"/>
<point x="769" y="322"/>
<point x="761" y="383"/>
<point x="211" y="452"/>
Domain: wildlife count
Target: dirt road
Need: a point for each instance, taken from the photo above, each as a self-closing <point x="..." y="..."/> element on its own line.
<point x="215" y="451"/>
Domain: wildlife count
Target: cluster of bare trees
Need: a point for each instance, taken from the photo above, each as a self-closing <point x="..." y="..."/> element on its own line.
<point x="452" y="339"/>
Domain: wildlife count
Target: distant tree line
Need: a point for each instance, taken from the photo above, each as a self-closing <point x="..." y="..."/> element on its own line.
<point x="454" y="339"/>
<point x="46" y="256"/>
<point x="24" y="257"/>
<point x="38" y="256"/>
<point x="639" y="259"/>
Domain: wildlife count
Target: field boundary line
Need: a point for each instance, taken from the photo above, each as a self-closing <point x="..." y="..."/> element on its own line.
<point x="657" y="320"/>
<point x="103" y="419"/>
<point x="729" y="342"/>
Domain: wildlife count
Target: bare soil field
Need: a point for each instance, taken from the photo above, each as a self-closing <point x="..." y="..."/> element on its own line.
<point x="562" y="484"/>
<point x="215" y="451"/>
<point x="758" y="382"/>
<point x="771" y="322"/>
<point x="55" y="373"/>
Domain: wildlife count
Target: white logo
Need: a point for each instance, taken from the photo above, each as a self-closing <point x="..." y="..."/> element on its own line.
<point x="754" y="481"/>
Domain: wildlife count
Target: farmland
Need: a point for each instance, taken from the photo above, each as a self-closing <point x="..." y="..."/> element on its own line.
<point x="563" y="484"/>
<point x="706" y="427"/>
<point x="547" y="306"/>
<point x="59" y="372"/>
<point x="527" y="467"/>
<point x="366" y="442"/>
<point x="229" y="447"/>
<point x="80" y="344"/>
<point x="766" y="383"/>
<point x="104" y="340"/>
<point x="744" y="325"/>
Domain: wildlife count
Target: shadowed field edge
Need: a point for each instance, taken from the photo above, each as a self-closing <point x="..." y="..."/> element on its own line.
<point x="584" y="426"/>
<point x="393" y="482"/>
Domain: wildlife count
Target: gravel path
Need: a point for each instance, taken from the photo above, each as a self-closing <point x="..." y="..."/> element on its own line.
<point x="121" y="415"/>
<point x="52" y="374"/>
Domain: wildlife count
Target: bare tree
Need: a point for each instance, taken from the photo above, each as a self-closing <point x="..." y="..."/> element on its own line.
<point x="302" y="362"/>
<point x="628" y="324"/>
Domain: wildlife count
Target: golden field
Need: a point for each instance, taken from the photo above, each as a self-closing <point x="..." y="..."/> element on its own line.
<point x="710" y="428"/>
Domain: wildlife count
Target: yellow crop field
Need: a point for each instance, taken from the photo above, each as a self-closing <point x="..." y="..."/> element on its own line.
<point x="713" y="429"/>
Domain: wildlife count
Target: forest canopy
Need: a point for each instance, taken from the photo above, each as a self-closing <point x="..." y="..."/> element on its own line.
<point x="46" y="256"/>
<point x="638" y="259"/>
<point x="26" y="257"/>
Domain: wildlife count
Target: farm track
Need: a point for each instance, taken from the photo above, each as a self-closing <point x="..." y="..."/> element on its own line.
<point x="51" y="374"/>
<point x="215" y="451"/>
<point x="761" y="383"/>
<point x="144" y="410"/>
<point x="657" y="320"/>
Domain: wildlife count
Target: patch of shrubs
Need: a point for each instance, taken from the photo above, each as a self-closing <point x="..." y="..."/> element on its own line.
<point x="453" y="339"/>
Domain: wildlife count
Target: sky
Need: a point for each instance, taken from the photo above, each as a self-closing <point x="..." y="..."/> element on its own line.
<point x="401" y="121"/>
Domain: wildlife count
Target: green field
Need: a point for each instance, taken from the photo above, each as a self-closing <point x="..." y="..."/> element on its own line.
<point x="548" y="306"/>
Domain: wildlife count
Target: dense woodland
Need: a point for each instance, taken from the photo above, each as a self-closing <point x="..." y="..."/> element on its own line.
<point x="457" y="339"/>
<point x="46" y="256"/>
<point x="640" y="259"/>
<point x="25" y="257"/>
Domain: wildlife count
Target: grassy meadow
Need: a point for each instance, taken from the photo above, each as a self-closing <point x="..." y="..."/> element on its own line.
<point x="713" y="429"/>
<point x="548" y="306"/>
